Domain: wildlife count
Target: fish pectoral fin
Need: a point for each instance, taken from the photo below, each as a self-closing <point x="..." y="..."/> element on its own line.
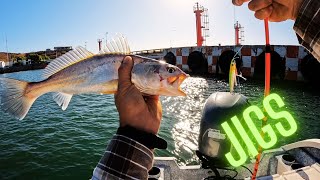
<point x="62" y="99"/>
<point x="110" y="87"/>
<point x="108" y="92"/>
<point x="175" y="92"/>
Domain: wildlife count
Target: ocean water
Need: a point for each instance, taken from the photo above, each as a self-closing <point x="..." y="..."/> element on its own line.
<point x="54" y="144"/>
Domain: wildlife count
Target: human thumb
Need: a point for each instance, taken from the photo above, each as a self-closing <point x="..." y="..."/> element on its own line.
<point x="124" y="72"/>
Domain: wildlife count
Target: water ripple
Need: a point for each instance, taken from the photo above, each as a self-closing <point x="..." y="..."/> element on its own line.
<point x="53" y="143"/>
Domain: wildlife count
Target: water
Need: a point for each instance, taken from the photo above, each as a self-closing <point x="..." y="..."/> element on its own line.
<point x="54" y="144"/>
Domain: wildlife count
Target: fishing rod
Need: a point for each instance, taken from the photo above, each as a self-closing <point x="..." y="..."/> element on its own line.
<point x="266" y="90"/>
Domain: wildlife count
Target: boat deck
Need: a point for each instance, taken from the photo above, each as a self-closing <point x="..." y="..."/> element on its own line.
<point x="306" y="154"/>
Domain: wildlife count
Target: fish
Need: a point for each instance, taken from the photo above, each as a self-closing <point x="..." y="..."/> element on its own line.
<point x="81" y="72"/>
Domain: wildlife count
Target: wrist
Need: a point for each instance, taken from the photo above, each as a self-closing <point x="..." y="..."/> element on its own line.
<point x="141" y="122"/>
<point x="146" y="127"/>
<point x="149" y="140"/>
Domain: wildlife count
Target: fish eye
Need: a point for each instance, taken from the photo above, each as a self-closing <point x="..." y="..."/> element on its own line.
<point x="171" y="69"/>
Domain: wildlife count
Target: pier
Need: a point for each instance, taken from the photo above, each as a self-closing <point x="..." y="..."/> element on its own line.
<point x="289" y="62"/>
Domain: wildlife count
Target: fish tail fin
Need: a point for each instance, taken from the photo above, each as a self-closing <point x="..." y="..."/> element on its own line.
<point x="13" y="99"/>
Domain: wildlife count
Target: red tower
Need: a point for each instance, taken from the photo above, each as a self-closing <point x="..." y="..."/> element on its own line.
<point x="239" y="34"/>
<point x="202" y="23"/>
<point x="100" y="44"/>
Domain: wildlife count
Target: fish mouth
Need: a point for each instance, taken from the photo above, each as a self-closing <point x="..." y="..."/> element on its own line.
<point x="175" y="82"/>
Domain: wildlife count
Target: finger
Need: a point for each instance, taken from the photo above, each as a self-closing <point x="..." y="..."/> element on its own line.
<point x="256" y="5"/>
<point x="239" y="2"/>
<point x="264" y="13"/>
<point x="124" y="73"/>
<point x="151" y="101"/>
<point x="152" y="97"/>
<point x="279" y="13"/>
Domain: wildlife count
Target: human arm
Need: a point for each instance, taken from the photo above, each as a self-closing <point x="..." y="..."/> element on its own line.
<point x="307" y="27"/>
<point x="305" y="13"/>
<point x="129" y="154"/>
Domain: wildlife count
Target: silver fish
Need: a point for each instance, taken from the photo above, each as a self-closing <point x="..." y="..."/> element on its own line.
<point x="79" y="71"/>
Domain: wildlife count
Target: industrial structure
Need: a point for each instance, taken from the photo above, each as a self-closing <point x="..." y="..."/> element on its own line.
<point x="202" y="23"/>
<point x="290" y="57"/>
<point x="239" y="34"/>
<point x="291" y="62"/>
<point x="9" y="59"/>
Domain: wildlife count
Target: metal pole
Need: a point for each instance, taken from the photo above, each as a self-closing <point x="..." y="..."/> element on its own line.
<point x="106" y="38"/>
<point x="266" y="91"/>
<point x="7" y="50"/>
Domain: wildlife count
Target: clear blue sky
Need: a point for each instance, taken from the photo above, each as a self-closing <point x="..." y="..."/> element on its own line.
<point x="33" y="25"/>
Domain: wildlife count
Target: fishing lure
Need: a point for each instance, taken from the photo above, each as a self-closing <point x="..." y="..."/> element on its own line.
<point x="233" y="73"/>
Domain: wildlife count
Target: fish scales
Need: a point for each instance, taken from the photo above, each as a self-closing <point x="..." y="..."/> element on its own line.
<point x="88" y="76"/>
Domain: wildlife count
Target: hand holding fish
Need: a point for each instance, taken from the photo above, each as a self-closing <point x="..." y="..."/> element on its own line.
<point x="275" y="10"/>
<point x="136" y="110"/>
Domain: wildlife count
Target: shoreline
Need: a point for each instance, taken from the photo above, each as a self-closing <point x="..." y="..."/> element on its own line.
<point x="22" y="68"/>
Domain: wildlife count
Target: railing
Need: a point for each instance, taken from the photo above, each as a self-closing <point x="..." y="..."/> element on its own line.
<point x="148" y="51"/>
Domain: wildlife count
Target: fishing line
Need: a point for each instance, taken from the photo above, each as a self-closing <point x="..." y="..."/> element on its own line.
<point x="234" y="48"/>
<point x="247" y="168"/>
<point x="240" y="74"/>
<point x="266" y="90"/>
<point x="234" y="14"/>
<point x="238" y="52"/>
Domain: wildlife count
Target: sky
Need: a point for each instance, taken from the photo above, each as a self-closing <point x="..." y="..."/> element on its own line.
<point x="35" y="25"/>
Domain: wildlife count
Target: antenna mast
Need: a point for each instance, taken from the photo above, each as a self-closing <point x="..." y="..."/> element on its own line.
<point x="106" y="38"/>
<point x="99" y="43"/>
<point x="7" y="50"/>
<point x="239" y="34"/>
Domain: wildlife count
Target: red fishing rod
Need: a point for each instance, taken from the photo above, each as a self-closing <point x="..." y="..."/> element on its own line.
<point x="266" y="90"/>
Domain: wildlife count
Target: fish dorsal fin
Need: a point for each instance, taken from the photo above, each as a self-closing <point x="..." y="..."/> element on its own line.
<point x="62" y="99"/>
<point x="71" y="57"/>
<point x="117" y="45"/>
